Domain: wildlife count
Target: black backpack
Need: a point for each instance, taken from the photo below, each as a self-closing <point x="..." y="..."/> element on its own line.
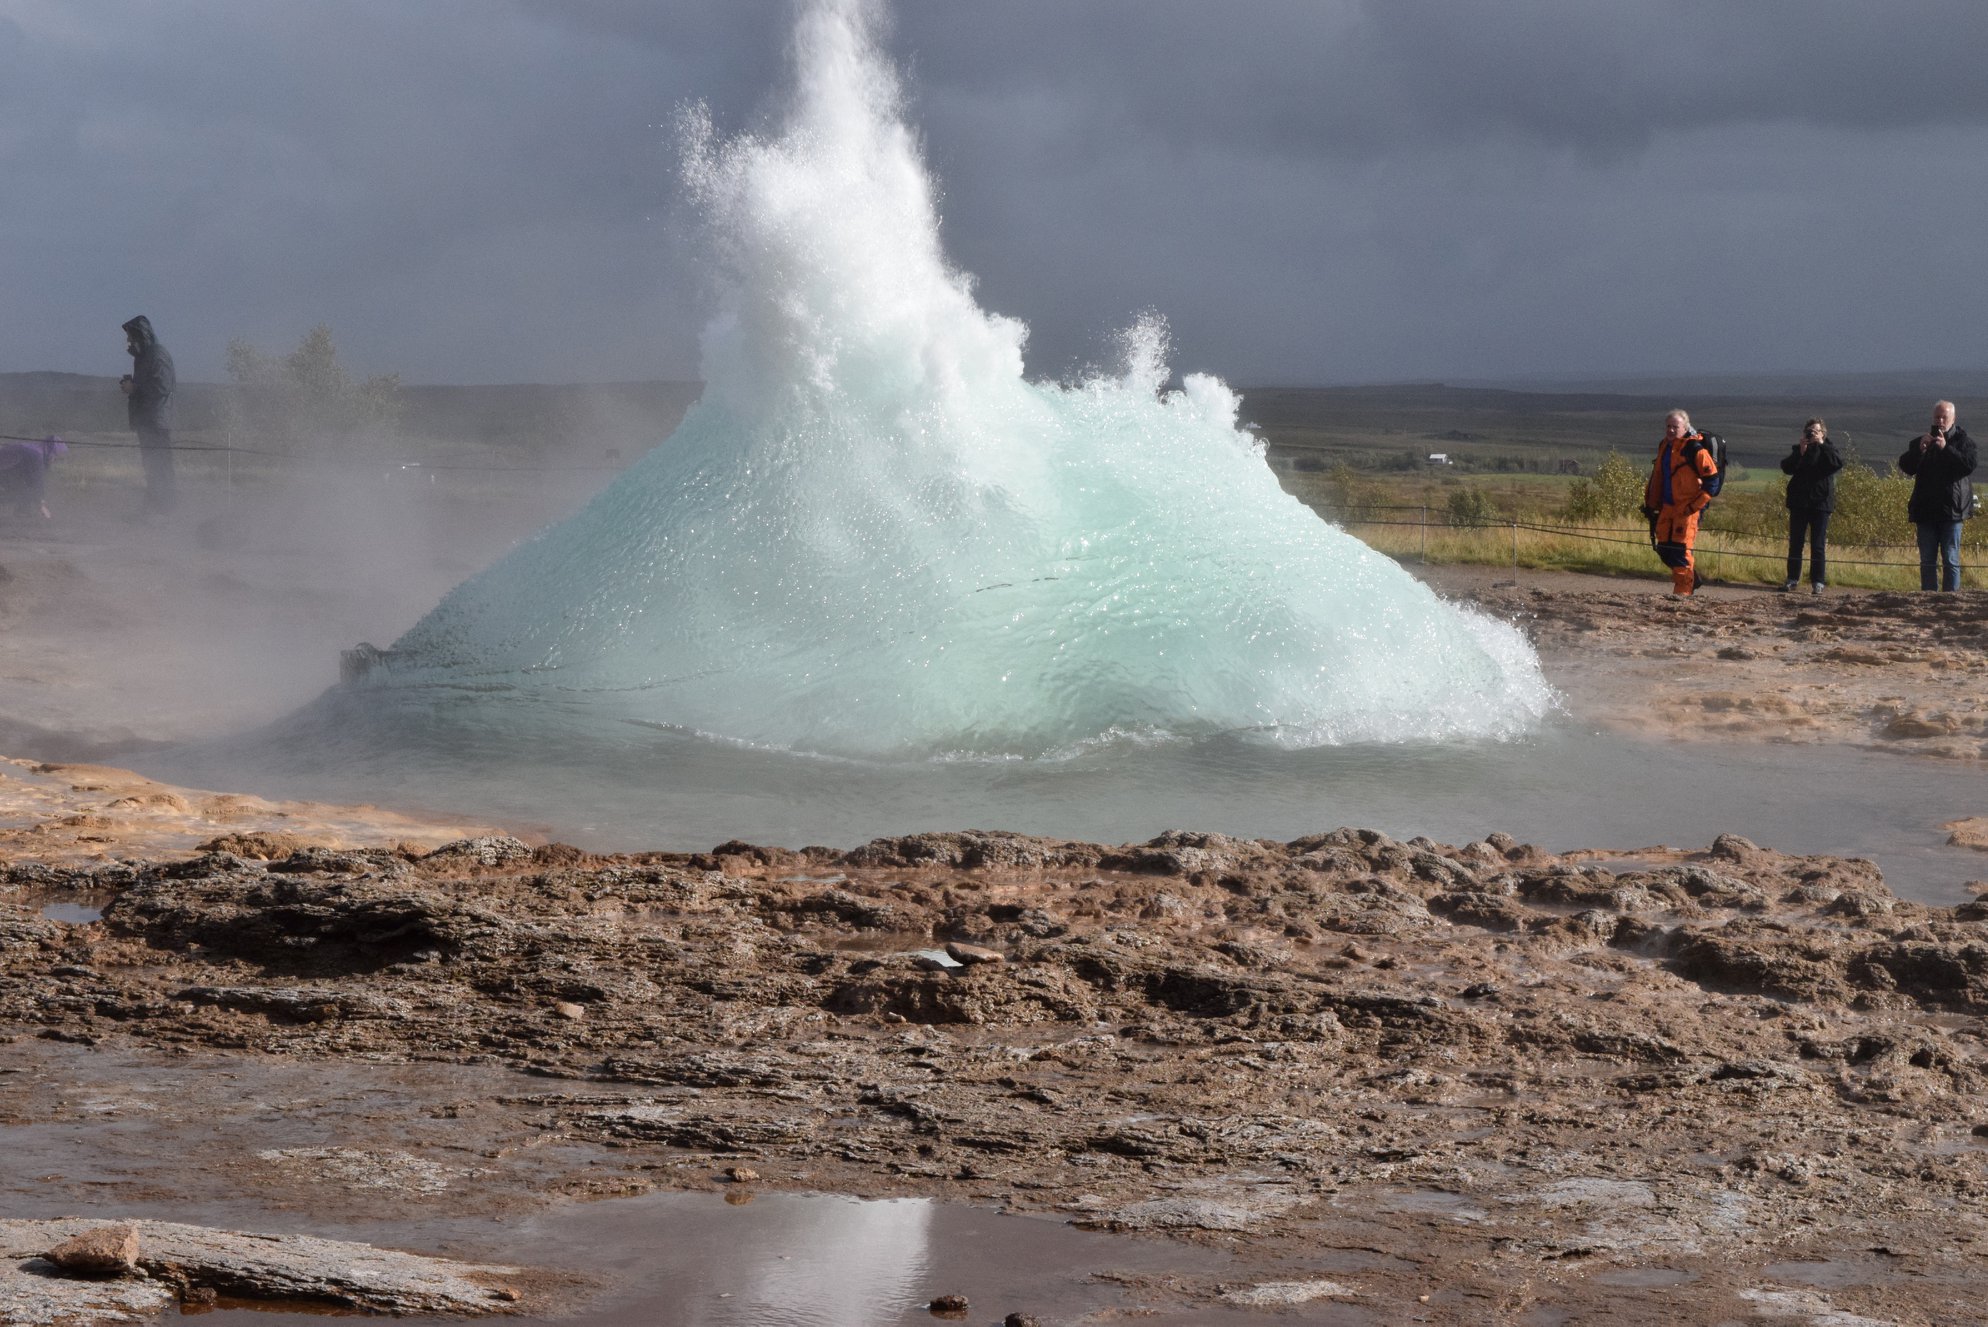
<point x="1716" y="445"/>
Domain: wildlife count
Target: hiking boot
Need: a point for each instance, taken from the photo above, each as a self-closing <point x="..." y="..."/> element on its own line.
<point x="1813" y="589"/>
<point x="1788" y="588"/>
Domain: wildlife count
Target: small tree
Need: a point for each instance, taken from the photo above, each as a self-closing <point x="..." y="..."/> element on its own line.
<point x="1350" y="497"/>
<point x="1870" y="507"/>
<point x="1470" y="506"/>
<point x="1614" y="490"/>
<point x="307" y="399"/>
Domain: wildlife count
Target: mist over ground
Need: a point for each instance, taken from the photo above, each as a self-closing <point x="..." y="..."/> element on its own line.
<point x="118" y="632"/>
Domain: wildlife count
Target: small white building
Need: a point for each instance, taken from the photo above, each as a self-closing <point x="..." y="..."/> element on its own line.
<point x="1439" y="458"/>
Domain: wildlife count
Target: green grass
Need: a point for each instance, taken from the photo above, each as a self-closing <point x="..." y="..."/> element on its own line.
<point x="1622" y="549"/>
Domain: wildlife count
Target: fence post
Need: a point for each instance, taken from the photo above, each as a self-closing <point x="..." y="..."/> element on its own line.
<point x="1515" y="551"/>
<point x="1425" y="534"/>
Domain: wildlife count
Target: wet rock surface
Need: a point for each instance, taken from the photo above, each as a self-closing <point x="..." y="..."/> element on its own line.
<point x="1505" y="1075"/>
<point x="75" y="815"/>
<point x="76" y="1272"/>
<point x="1884" y="670"/>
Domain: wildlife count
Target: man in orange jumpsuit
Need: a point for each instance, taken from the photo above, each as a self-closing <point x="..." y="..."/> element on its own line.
<point x="1676" y="495"/>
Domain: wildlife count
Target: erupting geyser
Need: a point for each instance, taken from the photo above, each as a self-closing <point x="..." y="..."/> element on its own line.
<point x="872" y="536"/>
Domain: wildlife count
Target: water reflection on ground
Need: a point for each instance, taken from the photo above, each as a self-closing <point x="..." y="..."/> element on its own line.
<point x="816" y="1260"/>
<point x="779" y="1259"/>
<point x="453" y="1160"/>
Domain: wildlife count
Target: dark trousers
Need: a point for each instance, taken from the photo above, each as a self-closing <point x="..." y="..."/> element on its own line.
<point x="1939" y="548"/>
<point x="155" y="449"/>
<point x="1814" y="526"/>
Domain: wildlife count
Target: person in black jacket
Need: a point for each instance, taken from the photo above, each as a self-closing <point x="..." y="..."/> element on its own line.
<point x="149" y="407"/>
<point x="1940" y="461"/>
<point x="1811" y="469"/>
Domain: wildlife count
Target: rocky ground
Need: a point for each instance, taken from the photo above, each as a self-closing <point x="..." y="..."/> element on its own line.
<point x="58" y="1272"/>
<point x="1748" y="1086"/>
<point x="1877" y="669"/>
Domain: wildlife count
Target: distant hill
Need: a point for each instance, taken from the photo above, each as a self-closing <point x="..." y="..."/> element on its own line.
<point x="1548" y="421"/>
<point x="1397" y="426"/>
<point x="37" y="404"/>
<point x="1932" y="384"/>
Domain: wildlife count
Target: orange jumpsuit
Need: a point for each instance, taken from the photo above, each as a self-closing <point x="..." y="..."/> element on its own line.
<point x="1677" y="491"/>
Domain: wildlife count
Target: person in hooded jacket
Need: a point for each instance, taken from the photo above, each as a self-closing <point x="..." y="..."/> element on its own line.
<point x="1939" y="461"/>
<point x="1675" y="497"/>
<point x="1811" y="469"/>
<point x="149" y="407"/>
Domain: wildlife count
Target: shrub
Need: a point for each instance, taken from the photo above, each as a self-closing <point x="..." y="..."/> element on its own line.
<point x="1470" y="506"/>
<point x="1761" y="513"/>
<point x="293" y="400"/>
<point x="1350" y="497"/>
<point x="1870" y="507"/>
<point x="1614" y="490"/>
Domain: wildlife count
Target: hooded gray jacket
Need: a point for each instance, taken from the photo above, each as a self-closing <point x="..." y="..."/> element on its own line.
<point x="151" y="401"/>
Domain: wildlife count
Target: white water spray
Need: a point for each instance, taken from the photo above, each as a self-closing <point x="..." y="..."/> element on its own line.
<point x="872" y="536"/>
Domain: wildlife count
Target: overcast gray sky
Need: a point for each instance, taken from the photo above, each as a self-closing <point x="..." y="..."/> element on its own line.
<point x="1319" y="191"/>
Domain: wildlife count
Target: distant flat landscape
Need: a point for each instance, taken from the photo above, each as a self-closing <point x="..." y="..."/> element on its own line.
<point x="1383" y="426"/>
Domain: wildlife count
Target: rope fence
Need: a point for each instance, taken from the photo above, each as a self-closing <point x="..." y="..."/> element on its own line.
<point x="1601" y="532"/>
<point x="1353" y="516"/>
<point x="232" y="450"/>
<point x="1610" y="535"/>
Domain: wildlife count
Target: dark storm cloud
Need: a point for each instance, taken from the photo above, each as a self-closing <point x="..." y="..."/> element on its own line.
<point x="1406" y="188"/>
<point x="1333" y="80"/>
<point x="485" y="189"/>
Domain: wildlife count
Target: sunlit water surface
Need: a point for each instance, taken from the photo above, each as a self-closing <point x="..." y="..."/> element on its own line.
<point x="562" y="770"/>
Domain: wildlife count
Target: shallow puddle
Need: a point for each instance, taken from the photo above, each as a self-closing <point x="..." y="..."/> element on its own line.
<point x="881" y="942"/>
<point x="1644" y="1278"/>
<point x="1424" y="1202"/>
<point x="73" y="914"/>
<point x="1563" y="787"/>
<point x="464" y="1162"/>
<point x="1823" y="1274"/>
<point x="226" y="1308"/>
<point x="815" y="1260"/>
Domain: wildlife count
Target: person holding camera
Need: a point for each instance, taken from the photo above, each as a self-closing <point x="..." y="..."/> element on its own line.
<point x="1939" y="461"/>
<point x="148" y="404"/>
<point x="1675" y="496"/>
<point x="1811" y="469"/>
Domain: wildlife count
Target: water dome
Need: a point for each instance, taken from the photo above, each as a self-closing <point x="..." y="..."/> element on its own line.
<point x="873" y="536"/>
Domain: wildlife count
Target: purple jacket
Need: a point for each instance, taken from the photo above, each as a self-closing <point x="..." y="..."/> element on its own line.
<point x="24" y="471"/>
